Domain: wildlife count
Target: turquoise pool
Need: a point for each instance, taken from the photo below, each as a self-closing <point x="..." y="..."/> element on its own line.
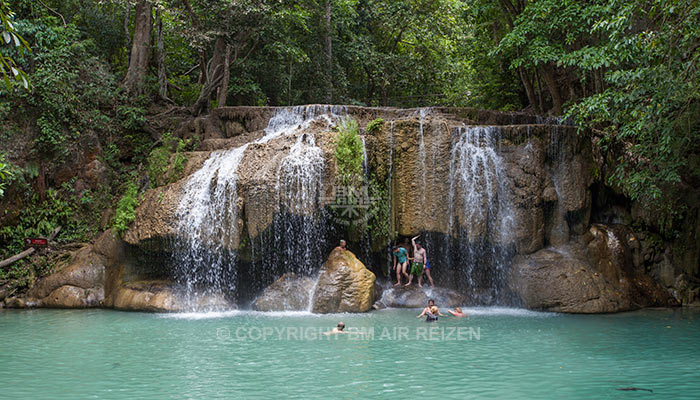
<point x="495" y="353"/>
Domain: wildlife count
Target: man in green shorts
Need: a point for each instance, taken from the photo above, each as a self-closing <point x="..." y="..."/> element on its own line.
<point x="400" y="257"/>
<point x="418" y="262"/>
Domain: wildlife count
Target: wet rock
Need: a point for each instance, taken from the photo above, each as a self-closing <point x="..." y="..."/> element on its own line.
<point x="344" y="285"/>
<point x="561" y="279"/>
<point x="594" y="274"/>
<point x="415" y="297"/>
<point x="288" y="293"/>
<point x="162" y="296"/>
<point x="73" y="297"/>
<point x="17" y="302"/>
<point x="147" y="296"/>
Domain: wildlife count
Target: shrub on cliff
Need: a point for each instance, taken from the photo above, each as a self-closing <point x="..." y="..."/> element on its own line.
<point x="348" y="153"/>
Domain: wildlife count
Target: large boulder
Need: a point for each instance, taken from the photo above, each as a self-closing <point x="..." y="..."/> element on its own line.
<point x="344" y="285"/>
<point x="589" y="275"/>
<point x="415" y="297"/>
<point x="289" y="293"/>
<point x="77" y="284"/>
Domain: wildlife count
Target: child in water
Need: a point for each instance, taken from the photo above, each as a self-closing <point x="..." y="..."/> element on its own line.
<point x="432" y="315"/>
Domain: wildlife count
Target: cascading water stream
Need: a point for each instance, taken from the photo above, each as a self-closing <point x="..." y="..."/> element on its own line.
<point x="299" y="228"/>
<point x="480" y="214"/>
<point x="204" y="253"/>
<point x="422" y="153"/>
<point x="390" y="170"/>
<point x="366" y="256"/>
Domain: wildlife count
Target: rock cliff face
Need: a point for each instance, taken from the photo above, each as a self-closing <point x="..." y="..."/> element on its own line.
<point x="503" y="202"/>
<point x="416" y="151"/>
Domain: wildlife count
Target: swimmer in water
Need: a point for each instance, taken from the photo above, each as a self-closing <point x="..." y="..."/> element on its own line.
<point x="432" y="315"/>
<point x="431" y="312"/>
<point x="340" y="328"/>
<point x="457" y="313"/>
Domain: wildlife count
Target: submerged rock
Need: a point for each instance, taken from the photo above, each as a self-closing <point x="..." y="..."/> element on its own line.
<point x="146" y="296"/>
<point x="344" y="285"/>
<point x="162" y="296"/>
<point x="68" y="296"/>
<point x="289" y="293"/>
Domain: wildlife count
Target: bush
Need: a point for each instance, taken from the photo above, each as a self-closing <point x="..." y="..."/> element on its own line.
<point x="5" y="174"/>
<point x="126" y="209"/>
<point x="160" y="171"/>
<point x="348" y="153"/>
<point x="374" y="126"/>
<point x="40" y="218"/>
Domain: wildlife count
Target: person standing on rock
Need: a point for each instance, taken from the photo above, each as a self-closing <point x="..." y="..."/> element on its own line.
<point x="400" y="258"/>
<point x="342" y="245"/>
<point x="418" y="263"/>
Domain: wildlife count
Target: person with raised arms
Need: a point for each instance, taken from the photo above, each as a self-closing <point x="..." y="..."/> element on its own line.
<point x="418" y="264"/>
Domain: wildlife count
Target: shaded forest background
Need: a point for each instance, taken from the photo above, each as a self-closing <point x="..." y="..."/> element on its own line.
<point x="85" y="81"/>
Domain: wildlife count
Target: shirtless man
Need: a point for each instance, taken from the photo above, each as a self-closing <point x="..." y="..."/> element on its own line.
<point x="419" y="257"/>
<point x="400" y="258"/>
<point x="342" y="245"/>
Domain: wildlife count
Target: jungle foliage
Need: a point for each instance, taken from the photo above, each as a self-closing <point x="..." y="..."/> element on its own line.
<point x="82" y="78"/>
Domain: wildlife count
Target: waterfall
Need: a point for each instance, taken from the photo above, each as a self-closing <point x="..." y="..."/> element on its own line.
<point x="391" y="202"/>
<point x="421" y="153"/>
<point x="206" y="218"/>
<point x="365" y="159"/>
<point x="289" y="119"/>
<point x="299" y="227"/>
<point x="204" y="252"/>
<point x="480" y="214"/>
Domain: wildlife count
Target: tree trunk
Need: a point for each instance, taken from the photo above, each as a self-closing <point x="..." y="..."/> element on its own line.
<point x="528" y="88"/>
<point x="162" y="77"/>
<point x="551" y="82"/>
<point x="140" y="50"/>
<point x="215" y="74"/>
<point x="202" y="54"/>
<point x="127" y="34"/>
<point x="539" y="91"/>
<point x="289" y="84"/>
<point x="329" y="53"/>
<point x="223" y="90"/>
